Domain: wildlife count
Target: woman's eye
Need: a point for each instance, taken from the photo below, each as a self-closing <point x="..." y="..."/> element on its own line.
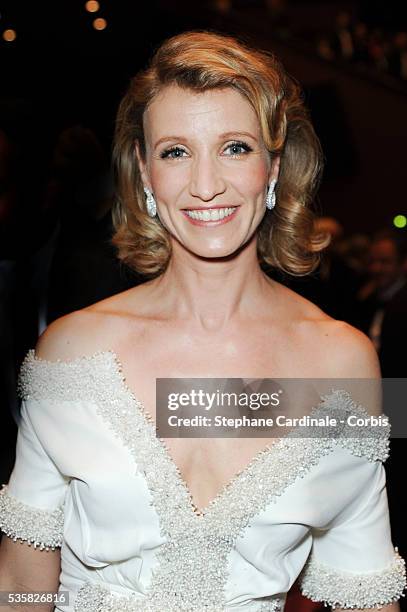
<point x="238" y="148"/>
<point x="173" y="153"/>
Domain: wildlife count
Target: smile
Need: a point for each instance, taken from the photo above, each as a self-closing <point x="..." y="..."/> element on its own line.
<point x="211" y="214"/>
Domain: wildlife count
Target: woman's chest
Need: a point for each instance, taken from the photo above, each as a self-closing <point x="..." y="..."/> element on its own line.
<point x="250" y="355"/>
<point x="208" y="458"/>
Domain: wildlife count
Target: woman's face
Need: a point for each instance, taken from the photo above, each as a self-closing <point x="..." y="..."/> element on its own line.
<point x="208" y="168"/>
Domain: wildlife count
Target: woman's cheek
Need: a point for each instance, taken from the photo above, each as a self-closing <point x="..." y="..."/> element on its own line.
<point x="168" y="182"/>
<point x="252" y="179"/>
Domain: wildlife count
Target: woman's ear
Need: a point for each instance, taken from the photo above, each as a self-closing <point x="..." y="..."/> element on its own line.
<point x="142" y="166"/>
<point x="275" y="169"/>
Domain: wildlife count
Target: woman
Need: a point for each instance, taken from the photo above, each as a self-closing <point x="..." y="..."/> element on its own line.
<point x="216" y="163"/>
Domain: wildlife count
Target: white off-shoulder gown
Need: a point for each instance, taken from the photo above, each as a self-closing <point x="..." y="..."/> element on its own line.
<point x="92" y="477"/>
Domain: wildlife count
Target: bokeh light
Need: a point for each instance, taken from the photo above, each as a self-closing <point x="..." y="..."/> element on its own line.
<point x="92" y="6"/>
<point x="9" y="35"/>
<point x="400" y="221"/>
<point x="99" y="23"/>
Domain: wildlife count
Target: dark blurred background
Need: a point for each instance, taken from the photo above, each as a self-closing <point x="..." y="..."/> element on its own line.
<point x="350" y="57"/>
<point x="63" y="69"/>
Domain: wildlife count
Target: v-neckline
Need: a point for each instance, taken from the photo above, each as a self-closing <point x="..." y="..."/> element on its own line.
<point x="151" y="427"/>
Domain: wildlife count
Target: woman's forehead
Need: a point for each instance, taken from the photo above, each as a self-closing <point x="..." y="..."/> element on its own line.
<point x="212" y="111"/>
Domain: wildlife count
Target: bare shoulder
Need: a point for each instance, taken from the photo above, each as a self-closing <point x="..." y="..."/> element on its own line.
<point x="345" y="358"/>
<point x="344" y="350"/>
<point x="352" y="353"/>
<point x="71" y="336"/>
<point x="338" y="351"/>
<point x="95" y="328"/>
<point x="352" y="364"/>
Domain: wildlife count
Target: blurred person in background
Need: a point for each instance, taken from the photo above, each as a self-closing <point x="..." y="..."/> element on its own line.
<point x="83" y="267"/>
<point x="333" y="285"/>
<point x="382" y="302"/>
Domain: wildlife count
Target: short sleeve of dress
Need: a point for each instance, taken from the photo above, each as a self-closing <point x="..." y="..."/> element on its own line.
<point x="31" y="504"/>
<point x="353" y="562"/>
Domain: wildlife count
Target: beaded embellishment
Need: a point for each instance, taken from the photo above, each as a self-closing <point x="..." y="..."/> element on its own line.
<point x="191" y="573"/>
<point x="350" y="590"/>
<point x="41" y="528"/>
<point x="94" y="597"/>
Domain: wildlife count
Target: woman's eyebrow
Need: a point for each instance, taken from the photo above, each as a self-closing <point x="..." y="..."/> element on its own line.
<point x="238" y="133"/>
<point x="168" y="138"/>
<point x="222" y="136"/>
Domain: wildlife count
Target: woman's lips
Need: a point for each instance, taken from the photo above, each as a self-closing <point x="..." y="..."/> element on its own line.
<point x="204" y="217"/>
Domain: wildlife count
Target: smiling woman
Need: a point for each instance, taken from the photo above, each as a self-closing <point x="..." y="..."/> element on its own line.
<point x="216" y="163"/>
<point x="258" y="127"/>
<point x="205" y="172"/>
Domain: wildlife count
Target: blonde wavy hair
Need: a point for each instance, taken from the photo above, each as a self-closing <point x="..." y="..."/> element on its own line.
<point x="287" y="238"/>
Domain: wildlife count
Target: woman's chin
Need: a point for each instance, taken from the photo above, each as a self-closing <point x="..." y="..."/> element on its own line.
<point x="213" y="249"/>
<point x="224" y="252"/>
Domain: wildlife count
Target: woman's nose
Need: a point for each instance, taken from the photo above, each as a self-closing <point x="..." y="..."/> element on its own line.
<point x="206" y="179"/>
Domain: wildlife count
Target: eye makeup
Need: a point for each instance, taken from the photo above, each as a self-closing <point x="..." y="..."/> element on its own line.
<point x="176" y="152"/>
<point x="239" y="144"/>
<point x="172" y="153"/>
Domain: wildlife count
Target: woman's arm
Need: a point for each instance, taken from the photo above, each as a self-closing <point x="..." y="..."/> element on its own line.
<point x="32" y="503"/>
<point x="26" y="569"/>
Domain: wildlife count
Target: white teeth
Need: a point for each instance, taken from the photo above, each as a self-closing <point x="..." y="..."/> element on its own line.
<point x="212" y="214"/>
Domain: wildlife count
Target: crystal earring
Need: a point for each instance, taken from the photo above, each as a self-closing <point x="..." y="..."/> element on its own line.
<point x="150" y="202"/>
<point x="271" y="196"/>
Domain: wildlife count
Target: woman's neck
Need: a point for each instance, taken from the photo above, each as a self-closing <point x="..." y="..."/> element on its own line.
<point x="214" y="293"/>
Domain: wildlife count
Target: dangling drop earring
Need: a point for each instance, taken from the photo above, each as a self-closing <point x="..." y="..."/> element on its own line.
<point x="271" y="196"/>
<point x="150" y="202"/>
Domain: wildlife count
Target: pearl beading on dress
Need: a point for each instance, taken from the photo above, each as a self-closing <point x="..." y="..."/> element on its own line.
<point x="191" y="572"/>
<point x="342" y="589"/>
<point x="93" y="597"/>
<point x="41" y="528"/>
